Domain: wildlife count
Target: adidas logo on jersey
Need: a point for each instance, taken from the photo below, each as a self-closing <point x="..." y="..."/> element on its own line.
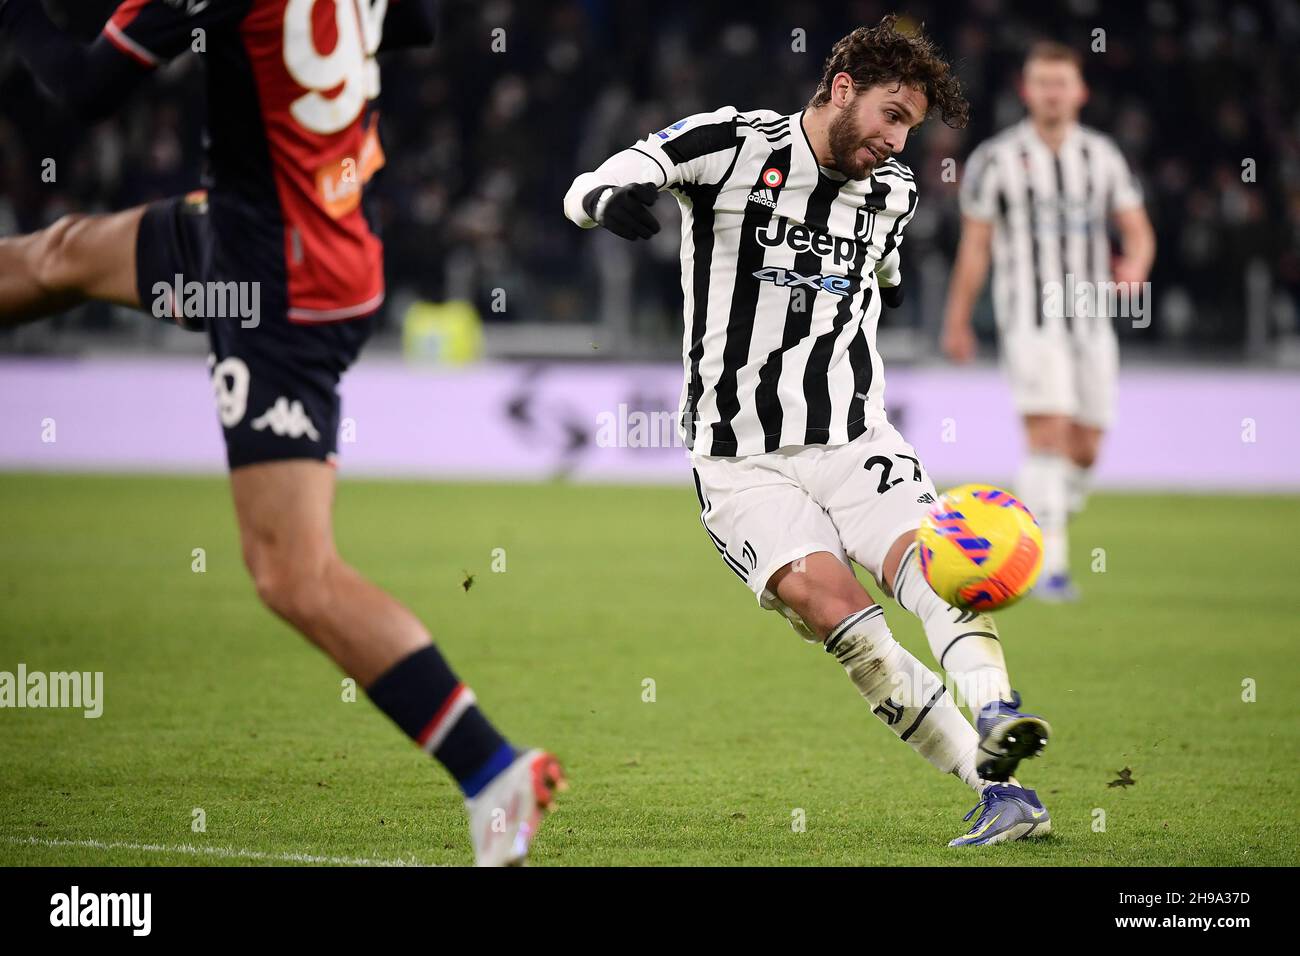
<point x="925" y="499"/>
<point x="288" y="419"/>
<point x="763" y="197"/>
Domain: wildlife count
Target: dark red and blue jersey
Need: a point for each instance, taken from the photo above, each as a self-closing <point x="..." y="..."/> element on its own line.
<point x="292" y="140"/>
<point x="291" y="133"/>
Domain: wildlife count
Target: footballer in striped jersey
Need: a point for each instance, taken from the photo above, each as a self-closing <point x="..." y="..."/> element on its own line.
<point x="1036" y="201"/>
<point x="791" y="232"/>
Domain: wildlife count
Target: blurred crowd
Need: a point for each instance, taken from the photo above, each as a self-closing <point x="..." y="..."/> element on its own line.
<point x="485" y="132"/>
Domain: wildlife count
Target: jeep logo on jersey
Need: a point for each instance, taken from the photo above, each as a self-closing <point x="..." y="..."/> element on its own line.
<point x="788" y="278"/>
<point x="779" y="231"/>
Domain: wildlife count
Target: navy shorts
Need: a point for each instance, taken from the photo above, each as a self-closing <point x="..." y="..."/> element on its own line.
<point x="275" y="382"/>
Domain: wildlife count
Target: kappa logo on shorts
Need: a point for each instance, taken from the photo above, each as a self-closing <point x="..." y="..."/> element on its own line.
<point x="286" y="419"/>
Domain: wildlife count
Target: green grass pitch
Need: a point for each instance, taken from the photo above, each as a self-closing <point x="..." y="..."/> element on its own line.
<point x="212" y="704"/>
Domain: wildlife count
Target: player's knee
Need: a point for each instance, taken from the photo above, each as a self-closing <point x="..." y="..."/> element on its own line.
<point x="822" y="592"/>
<point x="1048" y="434"/>
<point x="1083" y="452"/>
<point x="290" y="587"/>
<point x="56" y="262"/>
<point x="294" y="595"/>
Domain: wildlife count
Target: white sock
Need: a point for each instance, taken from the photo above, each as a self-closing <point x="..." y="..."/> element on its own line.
<point x="906" y="695"/>
<point x="965" y="643"/>
<point x="1078" y="482"/>
<point x="1043" y="487"/>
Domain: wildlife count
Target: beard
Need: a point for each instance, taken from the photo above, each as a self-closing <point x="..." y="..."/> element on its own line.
<point x="846" y="139"/>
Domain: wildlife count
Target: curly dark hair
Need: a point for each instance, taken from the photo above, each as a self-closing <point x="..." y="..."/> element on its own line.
<point x="882" y="54"/>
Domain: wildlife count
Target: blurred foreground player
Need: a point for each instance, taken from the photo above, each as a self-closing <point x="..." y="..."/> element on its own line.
<point x="280" y="231"/>
<point x="1036" y="200"/>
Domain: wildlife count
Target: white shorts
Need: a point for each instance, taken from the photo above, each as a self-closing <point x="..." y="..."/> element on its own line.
<point x="764" y="511"/>
<point x="1060" y="373"/>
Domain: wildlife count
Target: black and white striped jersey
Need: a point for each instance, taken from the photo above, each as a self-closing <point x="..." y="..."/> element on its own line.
<point x="1049" y="213"/>
<point x="781" y="266"/>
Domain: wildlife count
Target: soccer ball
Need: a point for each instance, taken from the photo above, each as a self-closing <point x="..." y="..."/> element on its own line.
<point x="980" y="548"/>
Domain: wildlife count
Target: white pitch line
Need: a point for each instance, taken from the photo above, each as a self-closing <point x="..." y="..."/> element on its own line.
<point x="225" y="853"/>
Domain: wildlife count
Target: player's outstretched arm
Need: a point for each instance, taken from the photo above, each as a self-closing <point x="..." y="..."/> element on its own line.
<point x="623" y="210"/>
<point x="91" y="80"/>
<point x="618" y="195"/>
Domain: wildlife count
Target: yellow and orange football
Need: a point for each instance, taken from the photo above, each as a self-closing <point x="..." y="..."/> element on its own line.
<point x="980" y="548"/>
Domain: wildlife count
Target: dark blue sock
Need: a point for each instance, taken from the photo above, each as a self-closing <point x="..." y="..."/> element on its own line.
<point x="422" y="696"/>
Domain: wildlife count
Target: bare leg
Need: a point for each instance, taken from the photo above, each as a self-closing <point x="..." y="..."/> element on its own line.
<point x="77" y="259"/>
<point x="285" y="525"/>
<point x="1084" y="445"/>
<point x="1048" y="433"/>
<point x="821" y="589"/>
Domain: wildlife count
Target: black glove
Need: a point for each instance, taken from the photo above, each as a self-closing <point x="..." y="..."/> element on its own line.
<point x="627" y="211"/>
<point x="892" y="295"/>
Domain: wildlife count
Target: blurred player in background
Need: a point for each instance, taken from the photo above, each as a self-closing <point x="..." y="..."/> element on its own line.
<point x="1036" y="200"/>
<point x="292" y="141"/>
<point x="790" y="235"/>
